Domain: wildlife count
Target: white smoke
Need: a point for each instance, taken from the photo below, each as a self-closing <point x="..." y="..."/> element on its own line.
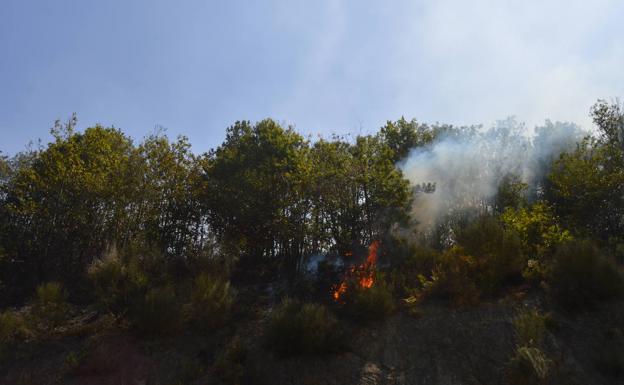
<point x="467" y="165"/>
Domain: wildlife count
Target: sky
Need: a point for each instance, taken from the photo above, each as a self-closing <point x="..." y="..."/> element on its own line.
<point x="326" y="66"/>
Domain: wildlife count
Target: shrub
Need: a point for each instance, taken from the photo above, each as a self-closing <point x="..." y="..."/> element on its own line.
<point x="13" y="328"/>
<point x="117" y="285"/>
<point x="50" y="304"/>
<point x="371" y="303"/>
<point x="303" y="328"/>
<point x="403" y="278"/>
<point x="158" y="313"/>
<point x="453" y="277"/>
<point x="498" y="253"/>
<point x="487" y="258"/>
<point x="529" y="366"/>
<point x="538" y="229"/>
<point x="581" y="276"/>
<point x="211" y="302"/>
<point x="231" y="363"/>
<point x="530" y="327"/>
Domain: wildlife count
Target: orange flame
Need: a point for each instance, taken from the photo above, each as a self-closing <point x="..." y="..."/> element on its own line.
<point x="364" y="273"/>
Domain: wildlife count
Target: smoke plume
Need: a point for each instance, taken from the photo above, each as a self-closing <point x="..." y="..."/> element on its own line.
<point x="463" y="168"/>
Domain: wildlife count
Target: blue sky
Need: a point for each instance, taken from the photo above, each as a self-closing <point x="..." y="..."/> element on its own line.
<point x="195" y="67"/>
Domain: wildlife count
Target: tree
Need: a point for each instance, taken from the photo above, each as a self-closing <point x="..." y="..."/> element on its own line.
<point x="253" y="187"/>
<point x="609" y="117"/>
<point x="67" y="202"/>
<point x="402" y="136"/>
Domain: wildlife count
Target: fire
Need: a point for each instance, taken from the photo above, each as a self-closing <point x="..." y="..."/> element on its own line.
<point x="342" y="288"/>
<point x="364" y="273"/>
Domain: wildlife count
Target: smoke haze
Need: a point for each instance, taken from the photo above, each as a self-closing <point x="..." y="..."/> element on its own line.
<point x="467" y="165"/>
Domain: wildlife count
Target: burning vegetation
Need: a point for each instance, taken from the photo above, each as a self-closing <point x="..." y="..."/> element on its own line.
<point x="363" y="274"/>
<point x="245" y="249"/>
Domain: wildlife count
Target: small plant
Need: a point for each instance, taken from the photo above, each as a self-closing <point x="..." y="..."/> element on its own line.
<point x="530" y="327"/>
<point x="50" y="304"/>
<point x="211" y="302"/>
<point x="529" y="366"/>
<point x="581" y="276"/>
<point x="158" y="313"/>
<point x="71" y="363"/>
<point x="303" y="328"/>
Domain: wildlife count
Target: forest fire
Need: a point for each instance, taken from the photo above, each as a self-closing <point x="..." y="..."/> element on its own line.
<point x="363" y="274"/>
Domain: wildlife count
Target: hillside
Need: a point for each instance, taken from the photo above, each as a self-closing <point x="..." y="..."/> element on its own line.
<point x="421" y="254"/>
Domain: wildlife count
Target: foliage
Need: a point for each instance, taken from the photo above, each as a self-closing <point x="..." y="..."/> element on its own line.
<point x="252" y="181"/>
<point x="13" y="327"/>
<point x="537" y="228"/>
<point x="265" y="193"/>
<point x="303" y="328"/>
<point x="530" y="327"/>
<point x="497" y="253"/>
<point x="89" y="191"/>
<point x="402" y="136"/>
<point x="581" y="275"/>
<point x="157" y="313"/>
<point x="408" y="263"/>
<point x="587" y="185"/>
<point x="50" y="304"/>
<point x="372" y="303"/>
<point x="62" y="205"/>
<point x="511" y="193"/>
<point x="118" y="285"/>
<point x="231" y="363"/>
<point x="540" y="234"/>
<point x="609" y="117"/>
<point x="453" y="277"/>
<point x="529" y="366"/>
<point x="586" y="188"/>
<point x="211" y="302"/>
<point x="487" y="258"/>
<point x="266" y="198"/>
<point x="358" y="194"/>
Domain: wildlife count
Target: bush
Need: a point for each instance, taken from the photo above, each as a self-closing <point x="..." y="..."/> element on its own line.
<point x="211" y="302"/>
<point x="498" y="253"/>
<point x="231" y="363"/>
<point x="403" y="278"/>
<point x="530" y="327"/>
<point x="13" y="328"/>
<point x="538" y="229"/>
<point x="581" y="276"/>
<point x="303" y="328"/>
<point x="50" y="305"/>
<point x="371" y="303"/>
<point x="158" y="313"/>
<point x="118" y="285"/>
<point x="487" y="258"/>
<point x="529" y="366"/>
<point x="453" y="277"/>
